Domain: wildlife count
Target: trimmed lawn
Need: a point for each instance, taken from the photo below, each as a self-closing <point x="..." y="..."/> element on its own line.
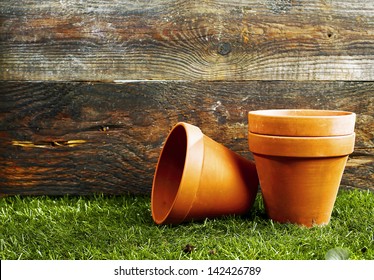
<point x="121" y="227"/>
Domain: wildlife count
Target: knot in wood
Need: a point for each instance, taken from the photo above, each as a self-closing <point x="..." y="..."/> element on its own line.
<point x="224" y="48"/>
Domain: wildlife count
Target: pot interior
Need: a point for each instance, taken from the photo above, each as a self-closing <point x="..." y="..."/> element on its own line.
<point x="169" y="172"/>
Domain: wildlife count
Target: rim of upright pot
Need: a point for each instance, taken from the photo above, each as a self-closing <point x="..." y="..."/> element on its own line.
<point x="301" y="122"/>
<point x="301" y="146"/>
<point x="177" y="174"/>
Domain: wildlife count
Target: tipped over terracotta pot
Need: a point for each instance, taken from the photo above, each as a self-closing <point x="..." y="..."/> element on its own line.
<point x="198" y="178"/>
<point x="300" y="175"/>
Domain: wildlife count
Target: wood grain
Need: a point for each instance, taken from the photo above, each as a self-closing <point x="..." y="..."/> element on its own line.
<point x="72" y="122"/>
<point x="71" y="40"/>
<point x="83" y="138"/>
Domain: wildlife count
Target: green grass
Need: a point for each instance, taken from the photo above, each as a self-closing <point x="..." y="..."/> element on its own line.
<point x="103" y="227"/>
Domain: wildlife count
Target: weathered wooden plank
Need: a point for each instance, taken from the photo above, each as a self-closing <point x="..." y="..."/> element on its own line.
<point x="82" y="138"/>
<point x="179" y="40"/>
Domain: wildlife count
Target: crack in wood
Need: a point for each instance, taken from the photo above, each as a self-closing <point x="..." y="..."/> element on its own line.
<point x="48" y="144"/>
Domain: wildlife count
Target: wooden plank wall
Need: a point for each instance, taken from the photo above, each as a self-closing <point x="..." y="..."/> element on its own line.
<point x="90" y="89"/>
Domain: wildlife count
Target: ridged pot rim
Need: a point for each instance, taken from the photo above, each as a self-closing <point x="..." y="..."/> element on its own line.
<point x="301" y="146"/>
<point x="301" y="122"/>
<point x="185" y="185"/>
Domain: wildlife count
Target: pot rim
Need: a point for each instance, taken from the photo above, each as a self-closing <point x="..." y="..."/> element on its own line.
<point x="301" y="146"/>
<point x="302" y="113"/>
<point x="189" y="180"/>
<point x="301" y="122"/>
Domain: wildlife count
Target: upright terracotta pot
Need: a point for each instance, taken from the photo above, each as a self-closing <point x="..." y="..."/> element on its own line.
<point x="300" y="175"/>
<point x="198" y="178"/>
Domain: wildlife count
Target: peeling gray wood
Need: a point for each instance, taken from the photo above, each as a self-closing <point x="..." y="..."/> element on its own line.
<point x="183" y="40"/>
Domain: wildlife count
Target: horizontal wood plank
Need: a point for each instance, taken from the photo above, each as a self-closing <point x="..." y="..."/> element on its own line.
<point x="187" y="40"/>
<point x="83" y="138"/>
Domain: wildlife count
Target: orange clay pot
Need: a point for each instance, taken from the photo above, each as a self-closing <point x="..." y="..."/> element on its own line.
<point x="198" y="178"/>
<point x="300" y="176"/>
<point x="301" y="122"/>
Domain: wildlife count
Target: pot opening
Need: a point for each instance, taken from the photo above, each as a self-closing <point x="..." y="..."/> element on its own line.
<point x="301" y="113"/>
<point x="169" y="173"/>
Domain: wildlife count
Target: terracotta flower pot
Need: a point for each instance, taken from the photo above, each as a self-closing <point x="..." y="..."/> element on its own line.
<point x="301" y="122"/>
<point x="198" y="178"/>
<point x="300" y="176"/>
